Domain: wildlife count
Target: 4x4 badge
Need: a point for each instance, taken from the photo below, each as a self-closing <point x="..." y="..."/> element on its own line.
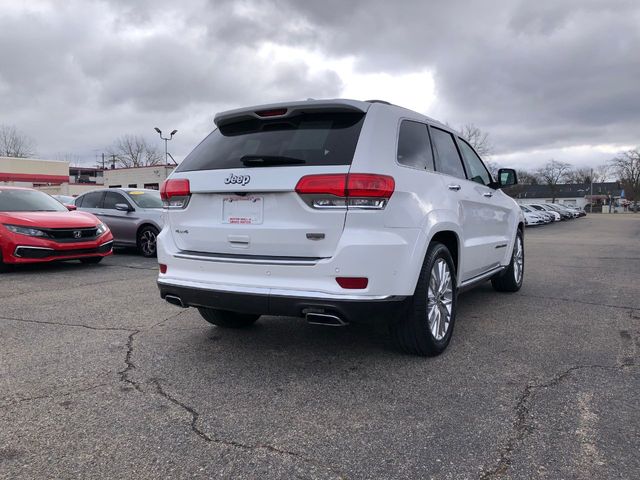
<point x="237" y="179"/>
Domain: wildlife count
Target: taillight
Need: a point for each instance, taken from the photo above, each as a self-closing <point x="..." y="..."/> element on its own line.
<point x="175" y="193"/>
<point x="353" y="190"/>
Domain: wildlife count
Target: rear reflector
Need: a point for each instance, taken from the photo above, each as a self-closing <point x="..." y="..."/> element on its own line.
<point x="163" y="268"/>
<point x="353" y="283"/>
<point x="276" y="112"/>
<point x="175" y="192"/>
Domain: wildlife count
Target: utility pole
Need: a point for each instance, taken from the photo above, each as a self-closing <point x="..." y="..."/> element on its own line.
<point x="102" y="160"/>
<point x="591" y="199"/>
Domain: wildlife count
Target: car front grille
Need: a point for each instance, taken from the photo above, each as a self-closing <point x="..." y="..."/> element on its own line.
<point x="70" y="235"/>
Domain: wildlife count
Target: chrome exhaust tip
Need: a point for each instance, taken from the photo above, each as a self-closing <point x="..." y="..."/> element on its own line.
<point x="173" y="300"/>
<point x="325" y="319"/>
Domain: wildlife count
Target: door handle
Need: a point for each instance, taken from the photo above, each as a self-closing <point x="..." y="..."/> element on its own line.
<point x="488" y="194"/>
<point x="454" y="187"/>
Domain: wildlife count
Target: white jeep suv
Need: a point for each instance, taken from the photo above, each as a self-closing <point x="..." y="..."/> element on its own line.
<point x="337" y="211"/>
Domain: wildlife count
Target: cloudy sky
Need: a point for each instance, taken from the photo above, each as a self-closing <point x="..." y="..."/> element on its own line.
<point x="545" y="79"/>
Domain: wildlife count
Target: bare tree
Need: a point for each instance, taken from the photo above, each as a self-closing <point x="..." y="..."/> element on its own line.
<point x="14" y="143"/>
<point x="627" y="167"/>
<point x="587" y="175"/>
<point x="493" y="168"/>
<point x="134" y="151"/>
<point x="552" y="174"/>
<point x="580" y="175"/>
<point x="478" y="139"/>
<point x="525" y="177"/>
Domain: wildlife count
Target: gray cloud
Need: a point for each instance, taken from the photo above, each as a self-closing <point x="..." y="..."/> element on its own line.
<point x="541" y="75"/>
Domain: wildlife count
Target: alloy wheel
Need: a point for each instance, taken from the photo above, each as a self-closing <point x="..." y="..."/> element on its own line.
<point x="148" y="242"/>
<point x="518" y="260"/>
<point x="440" y="299"/>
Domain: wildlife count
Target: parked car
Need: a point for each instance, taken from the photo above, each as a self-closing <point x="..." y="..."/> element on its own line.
<point x="134" y="215"/>
<point x="36" y="228"/>
<point x="64" y="199"/>
<point x="544" y="208"/>
<point x="337" y="211"/>
<point x="532" y="219"/>
<point x="579" y="211"/>
<point x="546" y="217"/>
<point x="563" y="208"/>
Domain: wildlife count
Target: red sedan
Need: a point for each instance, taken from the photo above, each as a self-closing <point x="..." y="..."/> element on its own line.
<point x="35" y="227"/>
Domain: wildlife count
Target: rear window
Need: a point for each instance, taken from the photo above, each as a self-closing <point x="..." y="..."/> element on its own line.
<point x="302" y="140"/>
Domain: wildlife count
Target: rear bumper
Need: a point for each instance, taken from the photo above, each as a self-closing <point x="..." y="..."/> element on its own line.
<point x="294" y="303"/>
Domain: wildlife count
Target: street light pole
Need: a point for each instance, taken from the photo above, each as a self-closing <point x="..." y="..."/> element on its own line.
<point x="166" y="139"/>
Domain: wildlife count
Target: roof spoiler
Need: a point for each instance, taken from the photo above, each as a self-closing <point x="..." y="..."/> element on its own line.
<point x="284" y="110"/>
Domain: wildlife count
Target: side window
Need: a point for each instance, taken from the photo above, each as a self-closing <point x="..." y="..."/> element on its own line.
<point x="477" y="171"/>
<point x="111" y="198"/>
<point x="414" y="147"/>
<point x="92" y="200"/>
<point x="447" y="157"/>
<point x="78" y="201"/>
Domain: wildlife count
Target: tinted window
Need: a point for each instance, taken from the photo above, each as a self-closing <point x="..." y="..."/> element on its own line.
<point x="477" y="171"/>
<point x="414" y="147"/>
<point x="447" y="158"/>
<point x="111" y="198"/>
<point x="146" y="199"/>
<point x="91" y="200"/>
<point x="28" y="201"/>
<point x="307" y="139"/>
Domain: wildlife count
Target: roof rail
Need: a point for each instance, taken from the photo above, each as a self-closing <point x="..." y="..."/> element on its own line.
<point x="379" y="101"/>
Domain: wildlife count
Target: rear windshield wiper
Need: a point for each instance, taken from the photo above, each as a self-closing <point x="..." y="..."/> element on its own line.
<point x="268" y="160"/>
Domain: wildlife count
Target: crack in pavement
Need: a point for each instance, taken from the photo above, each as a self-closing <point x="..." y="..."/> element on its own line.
<point x="231" y="443"/>
<point x="522" y="410"/>
<point x="52" y="395"/>
<point x="62" y="324"/>
<point x="129" y="365"/>
<point x="583" y="302"/>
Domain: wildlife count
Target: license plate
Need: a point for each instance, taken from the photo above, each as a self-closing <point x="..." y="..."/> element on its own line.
<point x="242" y="210"/>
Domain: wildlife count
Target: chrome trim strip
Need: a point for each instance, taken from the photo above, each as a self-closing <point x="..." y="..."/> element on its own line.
<point x="482" y="276"/>
<point x="245" y="260"/>
<point x="281" y="292"/>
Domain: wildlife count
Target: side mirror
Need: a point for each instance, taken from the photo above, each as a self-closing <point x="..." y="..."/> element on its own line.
<point x="70" y="207"/>
<point x="123" y="207"/>
<point x="507" y="177"/>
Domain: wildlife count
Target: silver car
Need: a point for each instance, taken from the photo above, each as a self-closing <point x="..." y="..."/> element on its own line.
<point x="134" y="215"/>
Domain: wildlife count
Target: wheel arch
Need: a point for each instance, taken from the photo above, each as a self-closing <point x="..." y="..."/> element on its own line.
<point x="447" y="233"/>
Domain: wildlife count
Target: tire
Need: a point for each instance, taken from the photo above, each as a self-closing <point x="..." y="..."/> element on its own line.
<point x="3" y="266"/>
<point x="91" y="260"/>
<point x="415" y="331"/>
<point x="147" y="238"/>
<point x="511" y="279"/>
<point x="225" y="319"/>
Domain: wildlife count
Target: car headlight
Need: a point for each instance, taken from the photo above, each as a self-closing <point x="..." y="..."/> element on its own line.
<point x="102" y="228"/>
<point x="31" y="232"/>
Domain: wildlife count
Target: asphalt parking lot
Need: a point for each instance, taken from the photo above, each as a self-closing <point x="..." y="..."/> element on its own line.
<point x="99" y="378"/>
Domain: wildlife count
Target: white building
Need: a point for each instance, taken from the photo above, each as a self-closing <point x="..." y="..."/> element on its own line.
<point x="137" y="177"/>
